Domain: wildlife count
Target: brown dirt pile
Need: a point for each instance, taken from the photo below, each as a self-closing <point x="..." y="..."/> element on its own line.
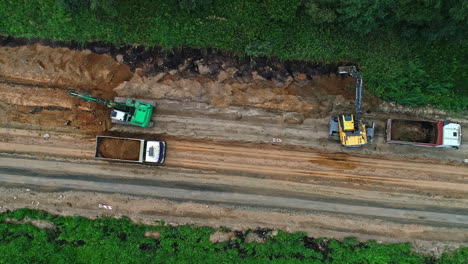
<point x="61" y="67"/>
<point x="119" y="149"/>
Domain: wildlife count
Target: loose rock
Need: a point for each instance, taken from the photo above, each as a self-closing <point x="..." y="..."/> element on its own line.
<point x="41" y="224"/>
<point x="254" y="238"/>
<point x="153" y="234"/>
<point x="221" y="237"/>
<point x="293" y="118"/>
<point x="119" y="58"/>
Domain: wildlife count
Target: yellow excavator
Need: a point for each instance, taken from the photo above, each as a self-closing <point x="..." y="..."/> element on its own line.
<point x="351" y="130"/>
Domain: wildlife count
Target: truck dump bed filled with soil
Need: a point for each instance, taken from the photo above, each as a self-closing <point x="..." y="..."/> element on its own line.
<point x="112" y="148"/>
<point x="414" y="131"/>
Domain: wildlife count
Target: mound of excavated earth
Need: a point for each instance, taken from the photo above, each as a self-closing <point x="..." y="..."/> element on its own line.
<point x="119" y="149"/>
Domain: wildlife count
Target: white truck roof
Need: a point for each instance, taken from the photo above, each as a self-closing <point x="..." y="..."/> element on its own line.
<point x="452" y="135"/>
<point x="153" y="151"/>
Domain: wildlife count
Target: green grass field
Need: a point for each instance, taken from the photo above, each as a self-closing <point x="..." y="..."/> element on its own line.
<point x="402" y="67"/>
<point x="108" y="240"/>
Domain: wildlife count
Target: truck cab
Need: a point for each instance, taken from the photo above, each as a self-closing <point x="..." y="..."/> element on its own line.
<point x="155" y="151"/>
<point x="451" y="135"/>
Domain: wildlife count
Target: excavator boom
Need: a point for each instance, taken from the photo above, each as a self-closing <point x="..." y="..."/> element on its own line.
<point x="89" y="98"/>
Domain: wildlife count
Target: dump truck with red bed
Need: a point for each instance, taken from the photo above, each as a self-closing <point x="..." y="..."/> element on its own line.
<point x="439" y="134"/>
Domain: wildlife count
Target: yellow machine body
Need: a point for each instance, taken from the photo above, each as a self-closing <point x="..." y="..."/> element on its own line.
<point x="351" y="133"/>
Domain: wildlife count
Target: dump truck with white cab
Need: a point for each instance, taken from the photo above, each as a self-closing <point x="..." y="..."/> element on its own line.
<point x="130" y="150"/>
<point x="439" y="134"/>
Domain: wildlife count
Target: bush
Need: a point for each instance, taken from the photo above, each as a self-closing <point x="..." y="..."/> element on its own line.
<point x="73" y="6"/>
<point x="108" y="240"/>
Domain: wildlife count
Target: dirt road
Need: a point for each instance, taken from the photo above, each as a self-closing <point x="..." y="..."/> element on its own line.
<point x="43" y="176"/>
<point x="244" y="196"/>
<point x="252" y="169"/>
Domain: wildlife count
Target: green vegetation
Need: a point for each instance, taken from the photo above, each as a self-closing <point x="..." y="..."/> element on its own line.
<point x="412" y="52"/>
<point x="108" y="240"/>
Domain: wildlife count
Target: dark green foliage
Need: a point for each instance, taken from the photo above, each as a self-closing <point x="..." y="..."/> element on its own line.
<point x="430" y="19"/>
<point x="107" y="8"/>
<point x="195" y="5"/>
<point x="321" y="11"/>
<point x="283" y="11"/>
<point x="458" y="257"/>
<point x="73" y="5"/>
<point x="108" y="240"/>
<point x="412" y="52"/>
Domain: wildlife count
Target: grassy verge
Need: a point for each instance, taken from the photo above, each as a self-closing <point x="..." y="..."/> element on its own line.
<point x="108" y="240"/>
<point x="409" y="70"/>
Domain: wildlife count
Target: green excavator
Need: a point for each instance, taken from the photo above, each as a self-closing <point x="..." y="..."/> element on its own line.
<point x="131" y="111"/>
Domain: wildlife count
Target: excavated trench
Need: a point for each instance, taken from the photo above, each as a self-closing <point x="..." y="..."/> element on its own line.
<point x="36" y="74"/>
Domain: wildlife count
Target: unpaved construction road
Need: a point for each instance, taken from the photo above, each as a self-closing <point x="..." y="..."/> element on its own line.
<point x="327" y="194"/>
<point x="222" y="168"/>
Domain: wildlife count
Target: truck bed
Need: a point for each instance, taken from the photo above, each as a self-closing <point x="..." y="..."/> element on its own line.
<point x="123" y="149"/>
<point x="412" y="132"/>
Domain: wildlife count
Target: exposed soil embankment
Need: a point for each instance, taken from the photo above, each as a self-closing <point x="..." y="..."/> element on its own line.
<point x="61" y="67"/>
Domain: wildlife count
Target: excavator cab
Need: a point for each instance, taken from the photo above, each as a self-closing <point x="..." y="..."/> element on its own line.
<point x="347" y="122"/>
<point x="351" y="130"/>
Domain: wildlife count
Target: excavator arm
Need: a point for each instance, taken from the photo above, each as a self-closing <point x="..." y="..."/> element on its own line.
<point x="89" y="98"/>
<point x="351" y="70"/>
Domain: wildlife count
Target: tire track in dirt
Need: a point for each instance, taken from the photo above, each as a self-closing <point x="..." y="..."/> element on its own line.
<point x="337" y="160"/>
<point x="210" y="180"/>
<point x="306" y="175"/>
<point x="239" y="198"/>
<point x="313" y="166"/>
